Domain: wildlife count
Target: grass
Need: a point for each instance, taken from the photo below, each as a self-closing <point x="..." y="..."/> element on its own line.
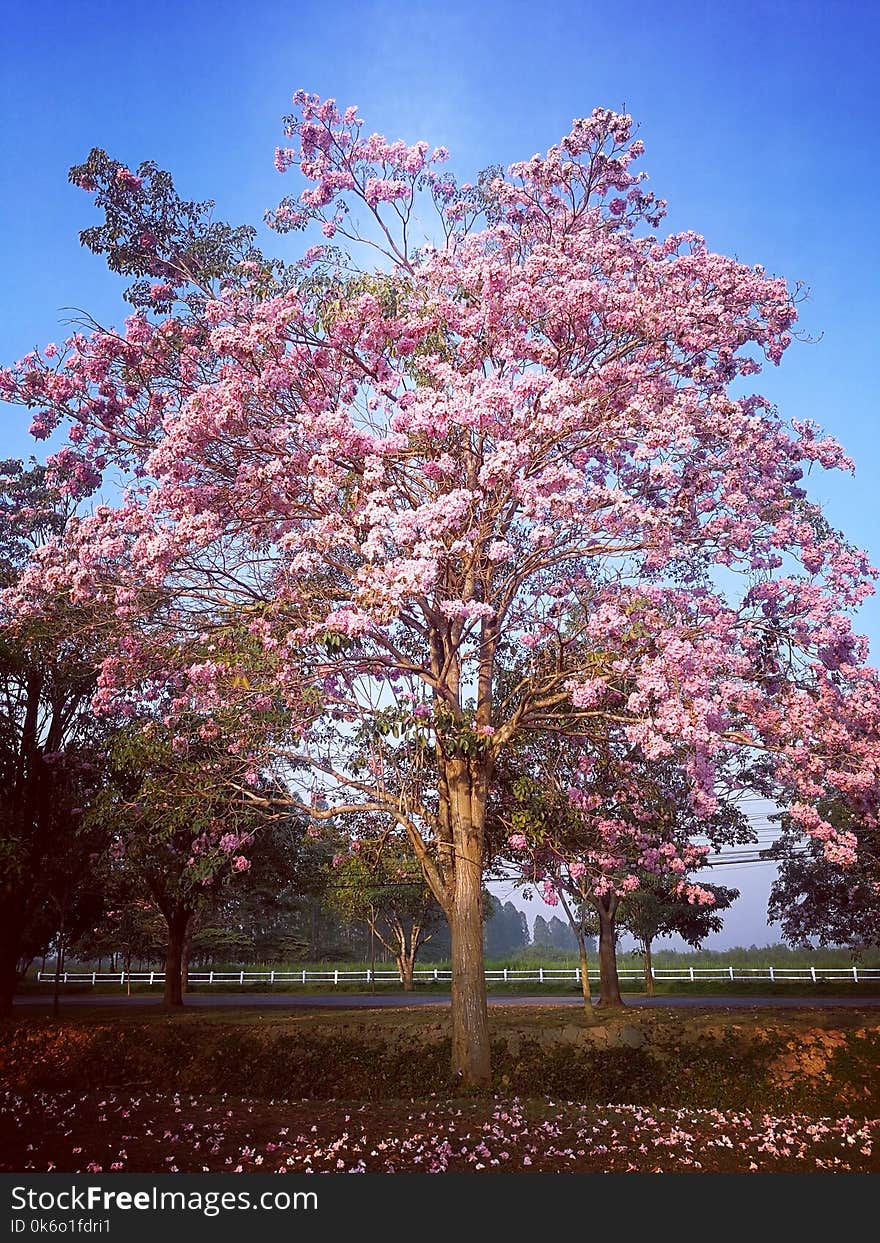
<point x="757" y="957"/>
<point x="557" y="988"/>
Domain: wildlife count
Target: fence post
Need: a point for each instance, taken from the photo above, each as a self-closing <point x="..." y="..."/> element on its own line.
<point x="65" y="977"/>
<point x="436" y="974"/>
<point x="152" y="974"/>
<point x="122" y="977"/>
<point x="576" y="974"/>
<point x="541" y="974"/>
<point x="304" y="977"/>
<point x="336" y="976"/>
<point x="93" y="979"/>
<point x="505" y="975"/>
<point x="271" y="977"/>
<point x="856" y="974"/>
<point x="731" y="972"/>
<point x="692" y="974"/>
<point x="211" y="978"/>
<point x="772" y="976"/>
<point x="813" y="973"/>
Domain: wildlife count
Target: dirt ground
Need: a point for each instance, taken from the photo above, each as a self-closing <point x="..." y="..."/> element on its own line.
<point x="153" y="1133"/>
<point x="368" y="1091"/>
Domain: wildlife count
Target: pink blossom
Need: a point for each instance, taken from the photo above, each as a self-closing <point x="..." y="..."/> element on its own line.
<point x="128" y="179"/>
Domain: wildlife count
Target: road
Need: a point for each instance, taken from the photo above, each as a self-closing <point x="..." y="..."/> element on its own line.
<point x="372" y="1001"/>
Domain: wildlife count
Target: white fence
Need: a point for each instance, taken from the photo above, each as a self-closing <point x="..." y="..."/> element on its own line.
<point x="534" y="975"/>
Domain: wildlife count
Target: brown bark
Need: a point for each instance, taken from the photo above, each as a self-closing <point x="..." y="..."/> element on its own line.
<point x="577" y="929"/>
<point x="457" y="876"/>
<point x="649" y="972"/>
<point x="609" y="981"/>
<point x="586" y="987"/>
<point x="59" y="967"/>
<point x="184" y="961"/>
<point x="177" y="924"/>
<point x="405" y="966"/>
<point x="470" y="1019"/>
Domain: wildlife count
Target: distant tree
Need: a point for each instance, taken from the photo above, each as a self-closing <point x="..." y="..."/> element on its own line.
<point x="656" y="910"/>
<point x="128" y="927"/>
<point x="262" y="915"/>
<point x="505" y="929"/>
<point x="812" y="900"/>
<point x="176" y="830"/>
<point x="554" y="932"/>
<point x="587" y="833"/>
<point x="561" y="934"/>
<point x="384" y="888"/>
<point x="49" y="741"/>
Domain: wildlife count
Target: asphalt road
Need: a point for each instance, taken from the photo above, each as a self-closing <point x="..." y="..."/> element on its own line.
<point x="372" y="1001"/>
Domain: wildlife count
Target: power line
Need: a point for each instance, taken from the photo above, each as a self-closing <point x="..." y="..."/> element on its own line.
<point x="742" y="863"/>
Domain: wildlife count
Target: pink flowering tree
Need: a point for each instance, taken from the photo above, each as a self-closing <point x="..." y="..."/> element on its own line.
<point x="477" y="411"/>
<point x="592" y="826"/>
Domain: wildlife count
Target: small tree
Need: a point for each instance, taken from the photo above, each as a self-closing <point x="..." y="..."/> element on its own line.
<point x="175" y="831"/>
<point x="813" y="900"/>
<point x="129" y="926"/>
<point x="262" y="912"/>
<point x="383" y="887"/>
<point x="656" y="909"/>
<point x="589" y="828"/>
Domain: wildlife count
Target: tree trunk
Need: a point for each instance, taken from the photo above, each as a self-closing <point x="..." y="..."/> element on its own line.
<point x="184" y="963"/>
<point x="649" y="969"/>
<point x="405" y="967"/>
<point x="609" y="981"/>
<point x="177" y="924"/>
<point x="471" y="1066"/>
<point x="372" y="951"/>
<point x="59" y="967"/>
<point x="578" y="931"/>
<point x="586" y="987"/>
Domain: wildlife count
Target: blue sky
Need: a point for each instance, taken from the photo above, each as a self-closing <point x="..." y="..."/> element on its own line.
<point x="760" y="122"/>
